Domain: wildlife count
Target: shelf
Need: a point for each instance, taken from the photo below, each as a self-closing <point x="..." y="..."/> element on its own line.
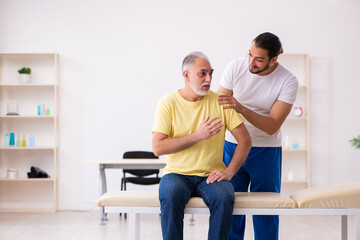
<point x="29" y="54"/>
<point x="27" y="180"/>
<point x="29" y="194"/>
<point x="296" y="118"/>
<point x="27" y="148"/>
<point x="294" y="150"/>
<point x="295" y="181"/>
<point x="26" y="85"/>
<point x="26" y="207"/>
<point x="28" y="116"/>
<point x="296" y="129"/>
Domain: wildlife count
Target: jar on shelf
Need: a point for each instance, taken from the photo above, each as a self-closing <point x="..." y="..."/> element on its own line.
<point x="12" y="174"/>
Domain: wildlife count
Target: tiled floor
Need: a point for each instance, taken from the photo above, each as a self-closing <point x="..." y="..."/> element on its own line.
<point x="73" y="225"/>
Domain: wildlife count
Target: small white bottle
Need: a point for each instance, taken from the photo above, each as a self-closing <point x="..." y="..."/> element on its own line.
<point x="32" y="140"/>
<point x="291" y="176"/>
<point x="286" y="142"/>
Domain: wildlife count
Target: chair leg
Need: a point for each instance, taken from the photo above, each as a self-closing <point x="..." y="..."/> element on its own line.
<point x="125" y="190"/>
<point x="121" y="188"/>
<point x="192" y="220"/>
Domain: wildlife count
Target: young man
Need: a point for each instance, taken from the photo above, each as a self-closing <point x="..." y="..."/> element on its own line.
<point x="190" y="129"/>
<point x="262" y="91"/>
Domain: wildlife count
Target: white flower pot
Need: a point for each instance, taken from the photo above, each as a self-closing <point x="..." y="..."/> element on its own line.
<point x="24" y="78"/>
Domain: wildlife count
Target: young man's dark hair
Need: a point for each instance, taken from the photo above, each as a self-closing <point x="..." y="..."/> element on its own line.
<point x="269" y="42"/>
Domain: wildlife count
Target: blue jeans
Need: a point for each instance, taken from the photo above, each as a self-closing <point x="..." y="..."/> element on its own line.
<point x="262" y="170"/>
<point x="175" y="190"/>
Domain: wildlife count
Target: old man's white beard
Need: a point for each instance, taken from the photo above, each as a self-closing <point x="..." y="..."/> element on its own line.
<point x="198" y="91"/>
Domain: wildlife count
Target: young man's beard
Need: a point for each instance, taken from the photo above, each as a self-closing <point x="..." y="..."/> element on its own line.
<point x="261" y="70"/>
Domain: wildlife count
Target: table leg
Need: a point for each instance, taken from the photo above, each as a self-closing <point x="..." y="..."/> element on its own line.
<point x="103" y="215"/>
<point x="102" y="179"/>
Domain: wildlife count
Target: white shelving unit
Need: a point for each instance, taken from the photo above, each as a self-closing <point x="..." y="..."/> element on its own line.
<point x="296" y="152"/>
<point x="29" y="194"/>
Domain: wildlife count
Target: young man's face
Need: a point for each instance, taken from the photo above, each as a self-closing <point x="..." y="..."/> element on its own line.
<point x="200" y="76"/>
<point x="258" y="59"/>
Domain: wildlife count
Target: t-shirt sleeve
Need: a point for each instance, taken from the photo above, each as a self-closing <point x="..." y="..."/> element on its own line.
<point x="233" y="119"/>
<point x="227" y="77"/>
<point x="162" y="123"/>
<point x="289" y="90"/>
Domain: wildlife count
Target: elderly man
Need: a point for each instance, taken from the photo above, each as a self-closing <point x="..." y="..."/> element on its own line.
<point x="190" y="129"/>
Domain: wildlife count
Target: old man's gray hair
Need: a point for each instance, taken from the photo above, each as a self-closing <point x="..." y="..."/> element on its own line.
<point x="189" y="60"/>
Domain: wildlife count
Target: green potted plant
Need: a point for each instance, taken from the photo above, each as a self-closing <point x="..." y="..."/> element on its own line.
<point x="355" y="142"/>
<point x="24" y="74"/>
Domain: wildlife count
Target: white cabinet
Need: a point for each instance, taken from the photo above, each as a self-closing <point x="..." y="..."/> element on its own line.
<point x="23" y="194"/>
<point x="295" y="130"/>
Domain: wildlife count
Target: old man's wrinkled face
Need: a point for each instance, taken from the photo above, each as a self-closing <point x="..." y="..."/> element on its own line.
<point x="201" y="76"/>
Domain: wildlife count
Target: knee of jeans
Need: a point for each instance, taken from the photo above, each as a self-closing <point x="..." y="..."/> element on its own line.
<point x="224" y="202"/>
<point x="225" y="196"/>
<point x="171" y="195"/>
<point x="228" y="199"/>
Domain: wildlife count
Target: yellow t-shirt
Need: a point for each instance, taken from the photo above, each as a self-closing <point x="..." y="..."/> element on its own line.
<point x="177" y="117"/>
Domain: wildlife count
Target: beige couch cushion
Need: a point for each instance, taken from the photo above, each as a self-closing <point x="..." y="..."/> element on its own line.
<point x="262" y="200"/>
<point x="251" y="200"/>
<point x="151" y="199"/>
<point x="336" y="196"/>
<point x="140" y="199"/>
<point x="130" y="199"/>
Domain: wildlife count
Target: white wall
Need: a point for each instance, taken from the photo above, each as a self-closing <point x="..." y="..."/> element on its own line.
<point x="119" y="57"/>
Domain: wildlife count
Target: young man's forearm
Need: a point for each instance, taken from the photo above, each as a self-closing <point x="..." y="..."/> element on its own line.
<point x="265" y="123"/>
<point x="269" y="124"/>
<point x="240" y="154"/>
<point x="242" y="149"/>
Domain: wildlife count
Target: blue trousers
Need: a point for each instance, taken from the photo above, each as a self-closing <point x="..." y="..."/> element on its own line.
<point x="262" y="171"/>
<point x="175" y="191"/>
